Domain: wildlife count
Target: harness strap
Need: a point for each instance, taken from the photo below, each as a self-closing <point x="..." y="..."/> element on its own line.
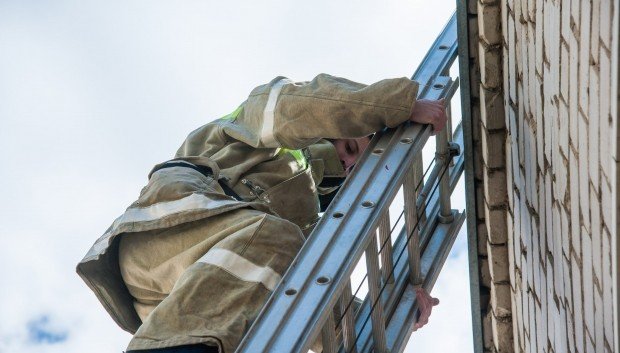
<point x="202" y="169"/>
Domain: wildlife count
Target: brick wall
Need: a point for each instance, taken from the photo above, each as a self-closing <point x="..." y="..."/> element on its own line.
<point x="489" y="136"/>
<point x="545" y="141"/>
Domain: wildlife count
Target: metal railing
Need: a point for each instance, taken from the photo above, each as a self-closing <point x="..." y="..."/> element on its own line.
<point x="315" y="301"/>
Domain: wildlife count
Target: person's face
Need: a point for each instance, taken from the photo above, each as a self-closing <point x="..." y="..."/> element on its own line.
<point x="349" y="150"/>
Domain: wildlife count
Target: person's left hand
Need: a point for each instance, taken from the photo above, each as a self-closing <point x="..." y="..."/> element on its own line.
<point x="425" y="306"/>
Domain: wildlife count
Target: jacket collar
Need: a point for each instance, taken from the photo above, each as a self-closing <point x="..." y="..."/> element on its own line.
<point x="324" y="158"/>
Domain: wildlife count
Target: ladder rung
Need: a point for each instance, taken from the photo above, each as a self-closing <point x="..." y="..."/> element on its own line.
<point x="328" y="335"/>
<point x="374" y="288"/>
<point x="411" y="220"/>
<point x="386" y="247"/>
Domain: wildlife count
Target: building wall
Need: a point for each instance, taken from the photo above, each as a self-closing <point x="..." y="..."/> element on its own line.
<point x="545" y="137"/>
<point x="491" y="199"/>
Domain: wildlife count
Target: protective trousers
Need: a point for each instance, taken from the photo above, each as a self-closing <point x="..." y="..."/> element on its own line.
<point x="205" y="281"/>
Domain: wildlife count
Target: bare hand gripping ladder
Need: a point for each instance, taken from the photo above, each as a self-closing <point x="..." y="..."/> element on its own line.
<point x="357" y="222"/>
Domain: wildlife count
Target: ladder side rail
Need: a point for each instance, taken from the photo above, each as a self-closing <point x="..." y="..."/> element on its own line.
<point x="439" y="58"/>
<point x="286" y="321"/>
<point x="294" y="319"/>
<point x="445" y="89"/>
<point x="399" y="327"/>
<point x="442" y="88"/>
<point x="401" y="271"/>
<point x="401" y="278"/>
<point x="401" y="274"/>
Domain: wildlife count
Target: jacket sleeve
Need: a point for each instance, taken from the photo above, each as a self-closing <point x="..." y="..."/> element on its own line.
<point x="295" y="115"/>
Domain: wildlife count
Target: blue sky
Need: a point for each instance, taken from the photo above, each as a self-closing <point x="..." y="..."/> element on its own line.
<point x="94" y="93"/>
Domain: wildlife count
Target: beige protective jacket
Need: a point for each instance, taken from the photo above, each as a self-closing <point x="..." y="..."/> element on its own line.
<point x="270" y="151"/>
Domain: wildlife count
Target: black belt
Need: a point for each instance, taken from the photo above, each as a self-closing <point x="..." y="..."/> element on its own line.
<point x="202" y="169"/>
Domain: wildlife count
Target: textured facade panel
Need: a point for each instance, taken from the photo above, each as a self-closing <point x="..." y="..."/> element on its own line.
<point x="550" y="231"/>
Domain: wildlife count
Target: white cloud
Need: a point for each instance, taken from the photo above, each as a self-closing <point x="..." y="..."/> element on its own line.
<point x="95" y="93"/>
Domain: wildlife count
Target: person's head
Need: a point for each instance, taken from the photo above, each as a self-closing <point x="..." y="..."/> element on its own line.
<point x="349" y="150"/>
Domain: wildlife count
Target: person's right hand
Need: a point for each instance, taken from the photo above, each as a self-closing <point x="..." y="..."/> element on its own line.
<point x="425" y="305"/>
<point x="430" y="112"/>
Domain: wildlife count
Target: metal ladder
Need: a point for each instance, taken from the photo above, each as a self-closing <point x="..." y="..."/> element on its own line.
<point x="315" y="301"/>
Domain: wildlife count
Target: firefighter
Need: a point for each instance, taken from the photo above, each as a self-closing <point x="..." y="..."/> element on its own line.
<point x="188" y="266"/>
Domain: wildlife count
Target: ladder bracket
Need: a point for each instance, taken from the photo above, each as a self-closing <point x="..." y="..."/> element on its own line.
<point x="454" y="149"/>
